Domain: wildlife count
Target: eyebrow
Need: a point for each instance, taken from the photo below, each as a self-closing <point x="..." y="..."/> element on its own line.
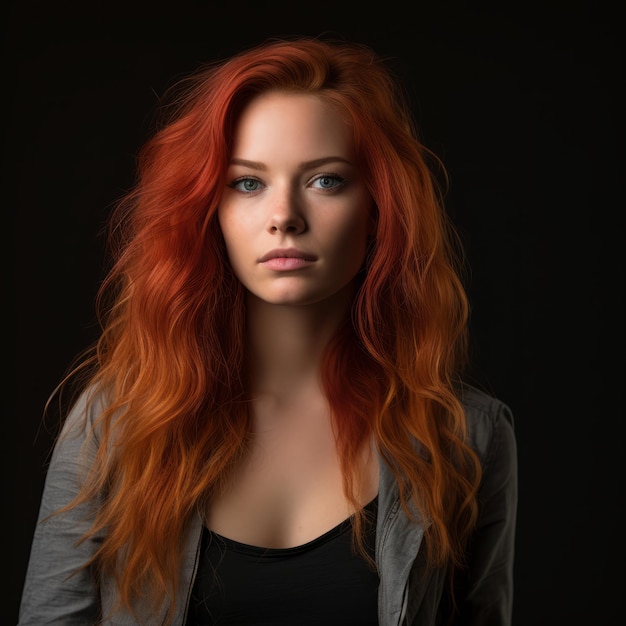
<point x="257" y="165"/>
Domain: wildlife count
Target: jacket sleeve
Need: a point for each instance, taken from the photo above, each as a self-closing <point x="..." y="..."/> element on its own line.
<point x="484" y="591"/>
<point x="56" y="590"/>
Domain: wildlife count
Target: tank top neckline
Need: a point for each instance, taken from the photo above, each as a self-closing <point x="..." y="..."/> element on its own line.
<point x="245" y="548"/>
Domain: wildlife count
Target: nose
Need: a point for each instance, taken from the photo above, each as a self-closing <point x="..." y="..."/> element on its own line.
<point x="286" y="215"/>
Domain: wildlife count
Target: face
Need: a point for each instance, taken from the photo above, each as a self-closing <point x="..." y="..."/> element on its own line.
<point x="295" y="212"/>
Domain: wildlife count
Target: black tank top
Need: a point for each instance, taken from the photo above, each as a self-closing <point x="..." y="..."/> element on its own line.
<point x="322" y="582"/>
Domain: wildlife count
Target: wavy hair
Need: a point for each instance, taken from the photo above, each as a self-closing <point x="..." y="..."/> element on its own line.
<point x="171" y="352"/>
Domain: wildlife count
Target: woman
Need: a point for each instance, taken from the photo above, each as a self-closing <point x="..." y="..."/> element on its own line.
<point x="273" y="427"/>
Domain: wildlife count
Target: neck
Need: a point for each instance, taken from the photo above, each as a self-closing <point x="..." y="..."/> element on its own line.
<point x="286" y="343"/>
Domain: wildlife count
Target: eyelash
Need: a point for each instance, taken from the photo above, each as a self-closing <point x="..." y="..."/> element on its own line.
<point x="340" y="182"/>
<point x="241" y="179"/>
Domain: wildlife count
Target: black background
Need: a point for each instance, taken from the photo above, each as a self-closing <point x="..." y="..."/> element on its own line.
<point x="523" y="104"/>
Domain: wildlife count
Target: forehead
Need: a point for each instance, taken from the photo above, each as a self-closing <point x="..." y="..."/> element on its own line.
<point x="291" y="123"/>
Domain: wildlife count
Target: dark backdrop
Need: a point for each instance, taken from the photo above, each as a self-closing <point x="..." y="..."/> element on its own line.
<point x="521" y="101"/>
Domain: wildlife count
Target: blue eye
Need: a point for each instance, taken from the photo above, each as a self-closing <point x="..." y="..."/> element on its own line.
<point x="246" y="185"/>
<point x="328" y="181"/>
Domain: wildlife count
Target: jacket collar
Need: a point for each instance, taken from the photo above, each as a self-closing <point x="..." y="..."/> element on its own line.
<point x="398" y="540"/>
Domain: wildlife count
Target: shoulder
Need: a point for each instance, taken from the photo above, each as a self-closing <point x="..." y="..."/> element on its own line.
<point x="82" y="420"/>
<point x="490" y="423"/>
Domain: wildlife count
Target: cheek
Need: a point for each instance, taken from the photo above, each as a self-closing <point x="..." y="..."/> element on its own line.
<point x="232" y="235"/>
<point x="362" y="222"/>
<point x="233" y="229"/>
<point x="351" y="243"/>
<point x="224" y="220"/>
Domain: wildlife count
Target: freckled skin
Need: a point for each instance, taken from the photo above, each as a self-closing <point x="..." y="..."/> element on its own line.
<point x="293" y="185"/>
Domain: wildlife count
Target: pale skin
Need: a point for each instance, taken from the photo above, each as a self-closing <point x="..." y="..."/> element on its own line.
<point x="295" y="217"/>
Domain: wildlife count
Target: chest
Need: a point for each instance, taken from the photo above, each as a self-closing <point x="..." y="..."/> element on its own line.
<point x="320" y="582"/>
<point x="288" y="488"/>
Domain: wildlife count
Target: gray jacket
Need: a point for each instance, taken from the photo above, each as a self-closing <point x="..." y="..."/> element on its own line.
<point x="410" y="593"/>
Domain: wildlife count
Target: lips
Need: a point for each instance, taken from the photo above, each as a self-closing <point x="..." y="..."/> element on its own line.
<point x="287" y="253"/>
<point x="286" y="259"/>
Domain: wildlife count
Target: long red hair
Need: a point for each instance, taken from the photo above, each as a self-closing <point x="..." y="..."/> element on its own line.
<point x="171" y="352"/>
